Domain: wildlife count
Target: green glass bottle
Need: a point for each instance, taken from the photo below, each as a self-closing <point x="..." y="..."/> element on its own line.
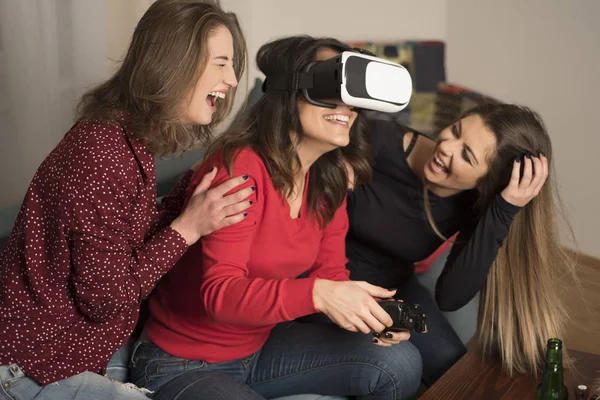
<point x="552" y="386"/>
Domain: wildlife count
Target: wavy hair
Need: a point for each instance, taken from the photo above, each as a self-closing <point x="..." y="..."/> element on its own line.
<point x="166" y="57"/>
<point x="267" y="125"/>
<point x="519" y="308"/>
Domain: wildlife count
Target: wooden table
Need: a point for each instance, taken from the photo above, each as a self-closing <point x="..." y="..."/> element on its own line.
<point x="471" y="378"/>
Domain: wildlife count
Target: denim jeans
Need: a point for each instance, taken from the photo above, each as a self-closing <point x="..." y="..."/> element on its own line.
<point x="440" y="347"/>
<point x="297" y="358"/>
<point x="118" y="365"/>
<point x="215" y="386"/>
<point x="15" y="385"/>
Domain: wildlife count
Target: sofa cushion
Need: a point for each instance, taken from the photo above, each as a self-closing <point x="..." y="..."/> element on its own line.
<point x="8" y="215"/>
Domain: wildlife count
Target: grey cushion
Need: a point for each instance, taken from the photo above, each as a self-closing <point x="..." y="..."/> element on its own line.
<point x="8" y="215"/>
<point x="464" y="320"/>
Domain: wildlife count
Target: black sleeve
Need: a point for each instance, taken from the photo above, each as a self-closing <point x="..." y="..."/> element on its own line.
<point x="473" y="254"/>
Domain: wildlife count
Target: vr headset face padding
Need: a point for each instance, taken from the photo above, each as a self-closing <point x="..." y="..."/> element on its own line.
<point x="355" y="79"/>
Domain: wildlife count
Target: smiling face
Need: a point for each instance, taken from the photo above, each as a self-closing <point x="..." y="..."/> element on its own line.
<point x="461" y="155"/>
<point x="325" y="129"/>
<point x="215" y="81"/>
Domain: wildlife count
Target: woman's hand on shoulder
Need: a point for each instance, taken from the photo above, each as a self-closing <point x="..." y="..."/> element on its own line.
<point x="209" y="209"/>
<point x="522" y="189"/>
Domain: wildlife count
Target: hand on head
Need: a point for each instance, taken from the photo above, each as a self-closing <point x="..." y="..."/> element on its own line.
<point x="523" y="188"/>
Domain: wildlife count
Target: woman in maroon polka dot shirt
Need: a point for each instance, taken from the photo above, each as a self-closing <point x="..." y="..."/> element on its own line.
<point x="89" y="243"/>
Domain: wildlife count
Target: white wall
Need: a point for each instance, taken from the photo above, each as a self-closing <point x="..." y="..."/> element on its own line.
<point x="540" y="53"/>
<point x="536" y="52"/>
<point x="122" y="16"/>
<point x="264" y="20"/>
<point x="346" y="20"/>
<point x="51" y="51"/>
<point x="544" y="54"/>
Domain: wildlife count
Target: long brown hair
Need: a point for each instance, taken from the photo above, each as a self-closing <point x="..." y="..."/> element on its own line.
<point x="520" y="307"/>
<point x="267" y="125"/>
<point x="166" y="57"/>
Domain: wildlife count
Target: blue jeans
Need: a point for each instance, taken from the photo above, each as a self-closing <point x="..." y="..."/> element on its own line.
<point x="118" y="365"/>
<point x="297" y="358"/>
<point x="440" y="347"/>
<point x="15" y="385"/>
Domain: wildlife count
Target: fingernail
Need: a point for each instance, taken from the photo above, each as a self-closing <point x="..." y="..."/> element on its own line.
<point x="376" y="334"/>
<point x="375" y="341"/>
<point x="528" y="155"/>
<point x="542" y="154"/>
<point x="250" y="202"/>
<point x="212" y="169"/>
<point x="393" y="289"/>
<point x="253" y="188"/>
<point x="518" y="159"/>
<point x="245" y="177"/>
<point x="245" y="214"/>
<point x="388" y="335"/>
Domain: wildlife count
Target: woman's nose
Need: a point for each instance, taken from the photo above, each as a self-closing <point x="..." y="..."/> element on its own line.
<point x="230" y="78"/>
<point x="446" y="148"/>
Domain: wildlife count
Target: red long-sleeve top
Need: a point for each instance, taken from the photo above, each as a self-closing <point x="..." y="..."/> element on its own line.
<point x="228" y="291"/>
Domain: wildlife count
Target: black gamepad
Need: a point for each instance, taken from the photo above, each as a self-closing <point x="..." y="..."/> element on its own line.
<point x="405" y="316"/>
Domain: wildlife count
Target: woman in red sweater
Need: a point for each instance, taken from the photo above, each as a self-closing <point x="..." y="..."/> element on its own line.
<point x="230" y="303"/>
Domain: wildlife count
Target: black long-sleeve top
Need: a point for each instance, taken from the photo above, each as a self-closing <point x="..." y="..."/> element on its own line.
<point x="389" y="230"/>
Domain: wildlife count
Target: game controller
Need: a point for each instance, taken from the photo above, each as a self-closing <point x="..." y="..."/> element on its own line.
<point x="405" y="316"/>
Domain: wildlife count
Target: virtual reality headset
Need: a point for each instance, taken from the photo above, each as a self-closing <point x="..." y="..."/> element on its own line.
<point x="354" y="78"/>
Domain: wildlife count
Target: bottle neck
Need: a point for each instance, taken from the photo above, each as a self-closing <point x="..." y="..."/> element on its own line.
<point x="554" y="354"/>
<point x="552" y="383"/>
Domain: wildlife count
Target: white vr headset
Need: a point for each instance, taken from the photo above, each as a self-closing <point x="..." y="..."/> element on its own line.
<point x="358" y="80"/>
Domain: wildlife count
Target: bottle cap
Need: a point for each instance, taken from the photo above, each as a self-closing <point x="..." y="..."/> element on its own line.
<point x="581" y="392"/>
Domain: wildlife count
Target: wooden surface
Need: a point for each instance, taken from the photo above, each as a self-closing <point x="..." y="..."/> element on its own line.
<point x="471" y="378"/>
<point x="583" y="333"/>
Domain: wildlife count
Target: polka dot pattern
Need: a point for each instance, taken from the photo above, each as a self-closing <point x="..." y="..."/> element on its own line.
<point x="83" y="254"/>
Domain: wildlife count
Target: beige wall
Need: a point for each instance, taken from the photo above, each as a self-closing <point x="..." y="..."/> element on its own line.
<point x="263" y="20"/>
<point x="540" y="53"/>
<point x="544" y="54"/>
<point x="536" y="52"/>
<point x="121" y="17"/>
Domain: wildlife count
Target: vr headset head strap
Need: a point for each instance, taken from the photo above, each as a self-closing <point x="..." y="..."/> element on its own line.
<point x="294" y="81"/>
<point x="288" y="81"/>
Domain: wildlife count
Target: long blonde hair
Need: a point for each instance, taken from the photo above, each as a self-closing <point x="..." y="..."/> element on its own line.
<point x="520" y="307"/>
